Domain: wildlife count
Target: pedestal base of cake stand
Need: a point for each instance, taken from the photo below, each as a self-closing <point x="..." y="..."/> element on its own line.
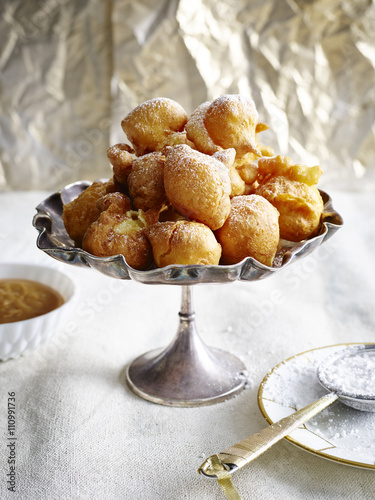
<point x="187" y="372"/>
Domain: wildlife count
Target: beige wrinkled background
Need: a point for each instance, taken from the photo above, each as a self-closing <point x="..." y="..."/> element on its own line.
<point x="70" y="71"/>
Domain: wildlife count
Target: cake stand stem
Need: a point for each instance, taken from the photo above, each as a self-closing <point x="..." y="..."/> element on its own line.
<point x="187" y="372"/>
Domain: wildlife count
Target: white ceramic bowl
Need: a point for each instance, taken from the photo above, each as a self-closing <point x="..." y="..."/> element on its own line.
<point x="21" y="337"/>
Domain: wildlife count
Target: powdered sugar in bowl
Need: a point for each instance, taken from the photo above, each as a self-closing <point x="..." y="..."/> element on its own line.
<point x="350" y="373"/>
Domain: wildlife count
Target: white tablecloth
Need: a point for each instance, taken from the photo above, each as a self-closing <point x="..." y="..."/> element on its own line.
<point x="82" y="434"/>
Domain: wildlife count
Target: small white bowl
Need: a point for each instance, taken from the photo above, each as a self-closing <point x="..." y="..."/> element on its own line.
<point x="21" y="337"/>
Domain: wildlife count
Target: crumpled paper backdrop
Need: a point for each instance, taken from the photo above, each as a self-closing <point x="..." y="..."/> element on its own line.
<point x="72" y="69"/>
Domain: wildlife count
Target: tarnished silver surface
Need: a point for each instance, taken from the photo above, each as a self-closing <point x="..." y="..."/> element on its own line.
<point x="187" y="372"/>
<point x="54" y="240"/>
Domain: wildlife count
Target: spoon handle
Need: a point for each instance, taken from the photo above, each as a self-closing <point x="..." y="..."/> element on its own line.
<point x="249" y="449"/>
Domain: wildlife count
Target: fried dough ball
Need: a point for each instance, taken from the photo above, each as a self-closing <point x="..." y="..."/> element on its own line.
<point x="197" y="185"/>
<point x="300" y="207"/>
<point x="227" y="122"/>
<point x="251" y="230"/>
<point x="114" y="203"/>
<point x="197" y="132"/>
<point x="230" y="121"/>
<point x="292" y="190"/>
<point x="183" y="242"/>
<point x="146" y="181"/>
<point x="119" y="230"/>
<point x="154" y="124"/>
<point x="121" y="160"/>
<point x="80" y="213"/>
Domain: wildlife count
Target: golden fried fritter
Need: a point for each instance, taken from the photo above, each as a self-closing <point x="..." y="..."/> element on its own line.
<point x="121" y="159"/>
<point x="192" y="176"/>
<point x="197" y="133"/>
<point x="197" y="185"/>
<point x="80" y="213"/>
<point x="230" y="121"/>
<point x="300" y="207"/>
<point x="154" y="124"/>
<point x="146" y="181"/>
<point x="183" y="242"/>
<point x="251" y="230"/>
<point x="119" y="231"/>
<point x="291" y="189"/>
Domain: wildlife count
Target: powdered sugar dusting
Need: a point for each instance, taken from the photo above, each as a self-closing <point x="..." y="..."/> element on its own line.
<point x="196" y="130"/>
<point x="338" y="432"/>
<point x="251" y="205"/>
<point x="353" y="373"/>
<point x="231" y="104"/>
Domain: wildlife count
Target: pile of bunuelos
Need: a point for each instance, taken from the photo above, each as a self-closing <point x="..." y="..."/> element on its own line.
<point x="195" y="190"/>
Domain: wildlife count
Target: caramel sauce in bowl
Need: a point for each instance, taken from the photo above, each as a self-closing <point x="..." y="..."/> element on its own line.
<point x="35" y="301"/>
<point x="26" y="299"/>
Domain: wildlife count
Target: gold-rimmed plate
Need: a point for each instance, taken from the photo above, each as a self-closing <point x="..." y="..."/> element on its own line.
<point x="339" y="433"/>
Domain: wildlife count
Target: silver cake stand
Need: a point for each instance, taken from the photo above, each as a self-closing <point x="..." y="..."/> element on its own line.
<point x="187" y="372"/>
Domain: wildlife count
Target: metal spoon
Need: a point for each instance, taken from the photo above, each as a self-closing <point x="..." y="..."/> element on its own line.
<point x="244" y="452"/>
